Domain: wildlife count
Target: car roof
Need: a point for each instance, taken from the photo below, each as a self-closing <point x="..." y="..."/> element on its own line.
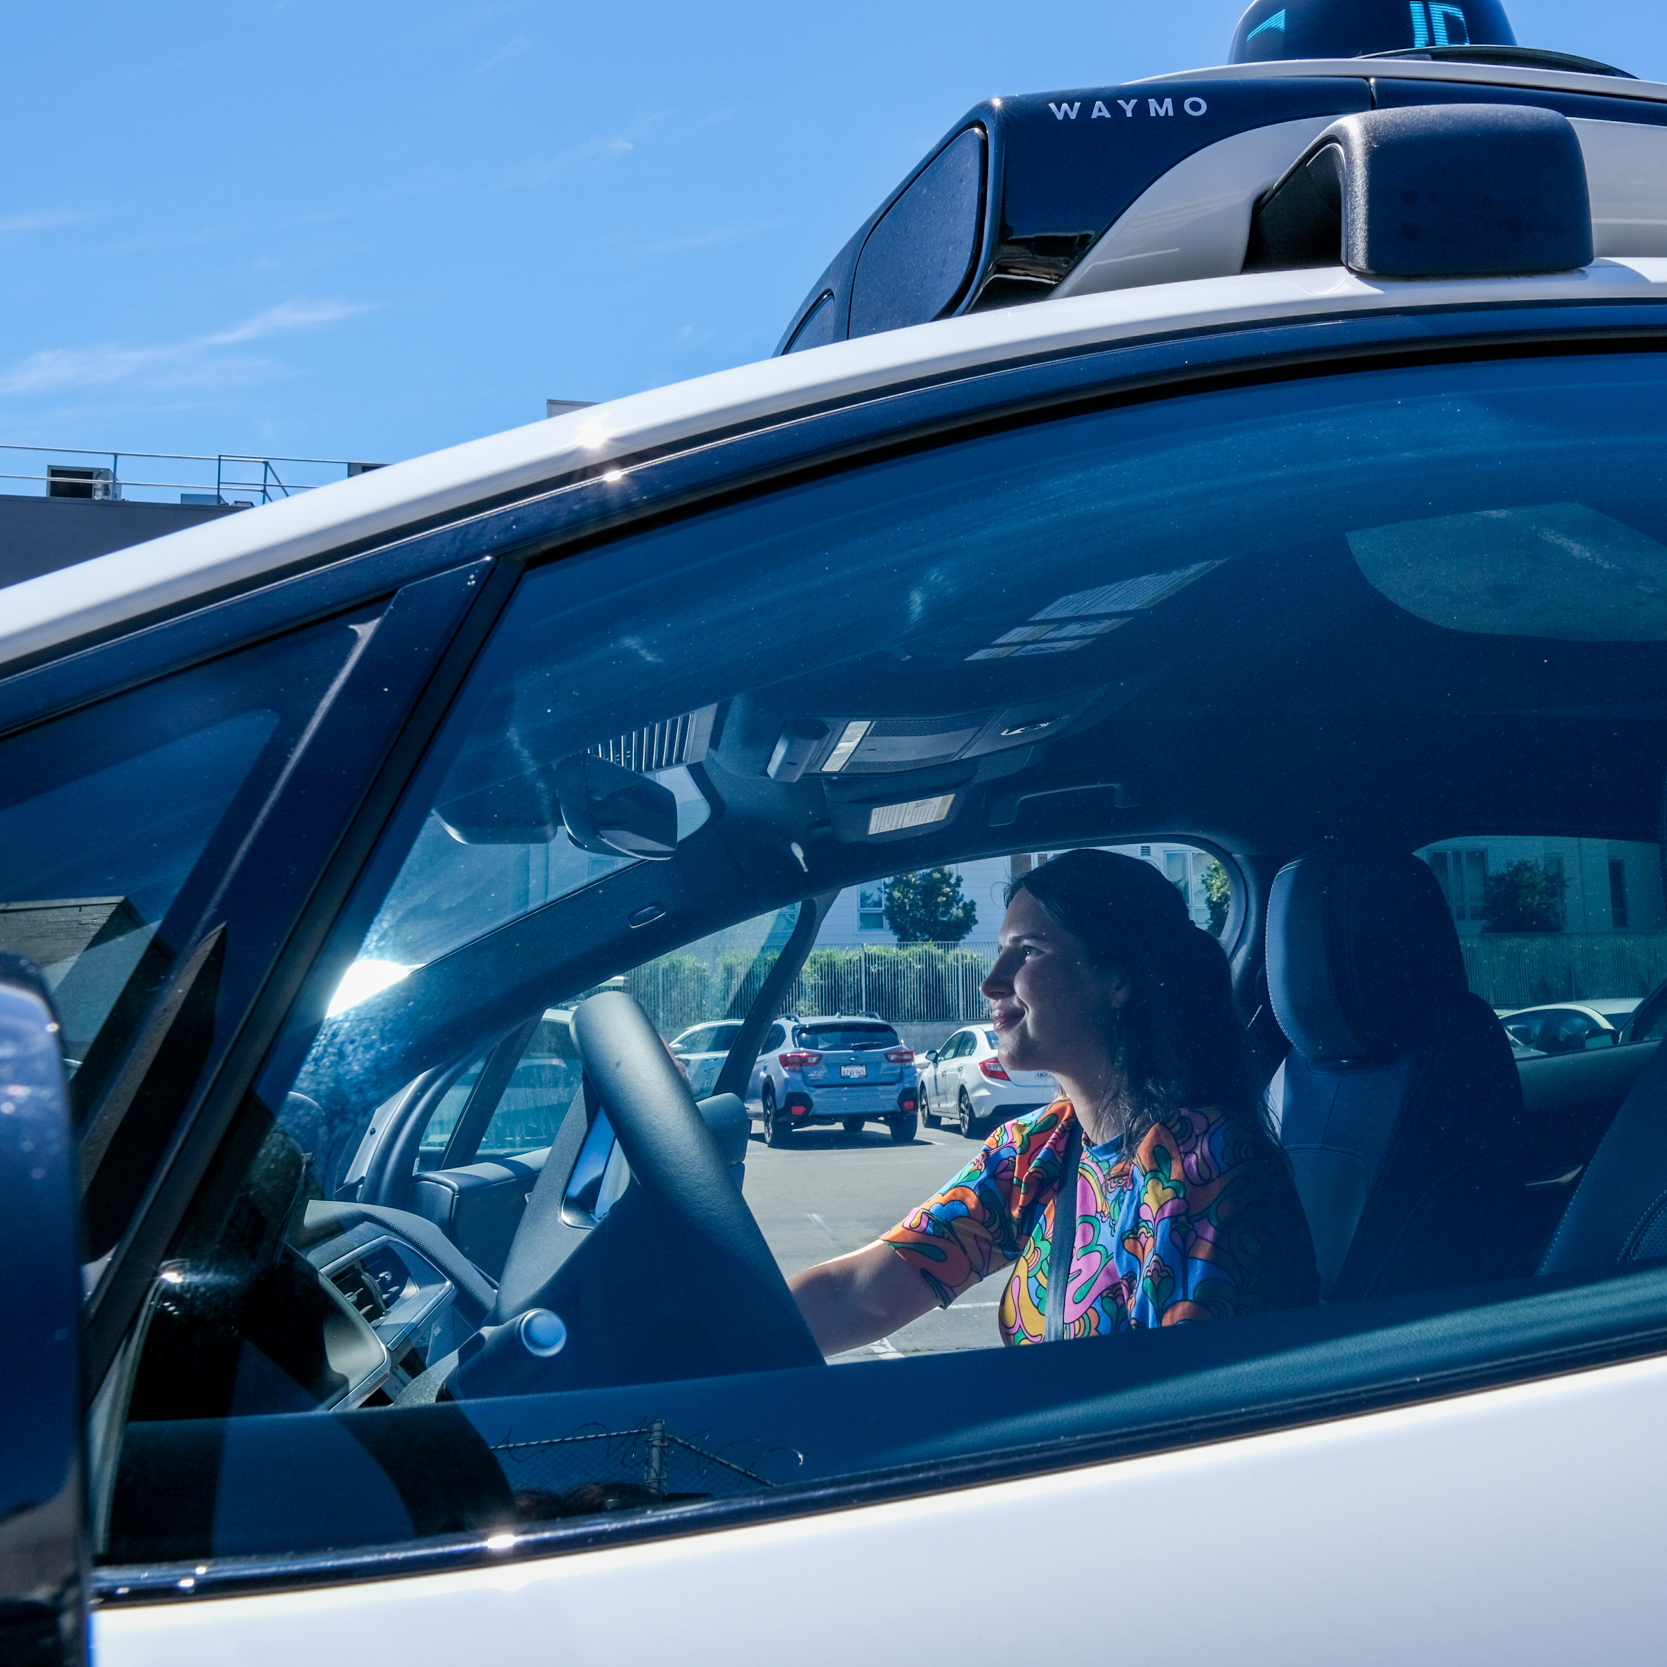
<point x="240" y="550"/>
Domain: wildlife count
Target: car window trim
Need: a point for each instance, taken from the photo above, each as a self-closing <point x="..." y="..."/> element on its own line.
<point x="574" y="511"/>
<point x="1540" y="1329"/>
<point x="949" y="411"/>
<point x="315" y="829"/>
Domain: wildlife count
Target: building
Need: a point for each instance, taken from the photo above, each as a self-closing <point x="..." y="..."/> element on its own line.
<point x="1608" y="885"/>
<point x="858" y="914"/>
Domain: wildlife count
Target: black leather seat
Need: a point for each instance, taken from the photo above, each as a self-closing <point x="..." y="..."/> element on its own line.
<point x="1399" y="1105"/>
<point x="1618" y="1214"/>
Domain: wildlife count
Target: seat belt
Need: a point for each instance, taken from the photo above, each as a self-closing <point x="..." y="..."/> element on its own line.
<point x="1062" y="1243"/>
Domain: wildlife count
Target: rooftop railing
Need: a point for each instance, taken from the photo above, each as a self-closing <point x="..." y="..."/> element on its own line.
<point x="221" y="478"/>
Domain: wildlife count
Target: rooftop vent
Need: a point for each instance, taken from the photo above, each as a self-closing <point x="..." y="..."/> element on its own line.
<point x="72" y="480"/>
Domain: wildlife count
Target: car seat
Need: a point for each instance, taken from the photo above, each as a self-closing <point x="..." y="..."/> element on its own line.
<point x="1618" y="1214"/>
<point x="1399" y="1105"/>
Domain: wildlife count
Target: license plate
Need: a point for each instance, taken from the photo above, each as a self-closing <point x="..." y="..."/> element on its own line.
<point x="856" y="1071"/>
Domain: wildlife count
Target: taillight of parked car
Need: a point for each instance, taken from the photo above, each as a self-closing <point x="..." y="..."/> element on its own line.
<point x="900" y="1056"/>
<point x="799" y="1061"/>
<point x="992" y="1068"/>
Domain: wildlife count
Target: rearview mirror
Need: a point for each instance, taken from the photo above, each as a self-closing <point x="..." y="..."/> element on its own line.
<point x="615" y="811"/>
<point x="42" y="1455"/>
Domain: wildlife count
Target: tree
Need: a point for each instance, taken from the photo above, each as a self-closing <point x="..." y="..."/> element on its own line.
<point x="928" y="907"/>
<point x="1218" y="893"/>
<point x="1524" y="897"/>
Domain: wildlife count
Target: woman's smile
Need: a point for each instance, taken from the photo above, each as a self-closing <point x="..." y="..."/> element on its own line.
<point x="1050" y="1008"/>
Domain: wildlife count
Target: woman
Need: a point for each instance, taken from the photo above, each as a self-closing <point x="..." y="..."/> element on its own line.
<point x="1177" y="1202"/>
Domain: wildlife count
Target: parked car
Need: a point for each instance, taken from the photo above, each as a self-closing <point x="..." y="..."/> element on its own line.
<point x="701" y="1050"/>
<point x="836" y="1069"/>
<point x="965" y="1082"/>
<point x="1352" y="528"/>
<point x="1567" y="1027"/>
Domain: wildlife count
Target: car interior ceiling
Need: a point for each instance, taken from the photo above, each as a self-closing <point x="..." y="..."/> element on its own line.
<point x="1341" y="726"/>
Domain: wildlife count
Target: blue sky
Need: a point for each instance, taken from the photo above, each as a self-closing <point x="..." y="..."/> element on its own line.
<point x="370" y="230"/>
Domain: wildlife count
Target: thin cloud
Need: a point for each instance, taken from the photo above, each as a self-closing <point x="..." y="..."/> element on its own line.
<point x="713" y="237"/>
<point x="45" y="220"/>
<point x="285" y="317"/>
<point x="516" y="47"/>
<point x="197" y="362"/>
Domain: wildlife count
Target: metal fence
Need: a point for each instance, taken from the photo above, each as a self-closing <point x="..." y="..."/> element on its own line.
<point x="610" y="1470"/>
<point x="917" y="983"/>
<point x="220" y="477"/>
<point x="1525" y="969"/>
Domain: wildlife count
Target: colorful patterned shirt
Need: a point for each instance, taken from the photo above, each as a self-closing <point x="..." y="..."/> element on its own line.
<point x="1199" y="1224"/>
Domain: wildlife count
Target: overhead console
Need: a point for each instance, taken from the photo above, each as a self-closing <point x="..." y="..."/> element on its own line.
<point x="848" y="746"/>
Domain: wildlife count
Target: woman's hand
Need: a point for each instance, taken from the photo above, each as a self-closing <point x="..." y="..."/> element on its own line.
<point x="860" y="1298"/>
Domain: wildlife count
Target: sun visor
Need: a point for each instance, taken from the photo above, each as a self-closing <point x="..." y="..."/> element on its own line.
<point x="1561" y="571"/>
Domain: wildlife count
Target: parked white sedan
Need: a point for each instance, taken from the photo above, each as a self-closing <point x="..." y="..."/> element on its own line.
<point x="964" y="1083"/>
<point x="701" y="1051"/>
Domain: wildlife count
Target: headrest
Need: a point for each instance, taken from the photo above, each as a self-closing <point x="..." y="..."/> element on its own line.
<point x="1361" y="952"/>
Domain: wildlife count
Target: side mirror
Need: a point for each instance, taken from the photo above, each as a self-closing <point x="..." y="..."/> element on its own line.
<point x="615" y="811"/>
<point x="43" y="1516"/>
<point x="932" y="1056"/>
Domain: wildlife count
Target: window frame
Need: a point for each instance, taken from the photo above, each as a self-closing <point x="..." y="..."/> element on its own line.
<point x="579" y="517"/>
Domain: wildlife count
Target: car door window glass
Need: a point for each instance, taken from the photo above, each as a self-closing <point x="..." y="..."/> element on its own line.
<point x="538" y="1094"/>
<point x="1064" y="661"/>
<point x="115" y="821"/>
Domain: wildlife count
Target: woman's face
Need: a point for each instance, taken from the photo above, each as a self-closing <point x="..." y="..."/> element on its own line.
<point x="1051" y="1010"/>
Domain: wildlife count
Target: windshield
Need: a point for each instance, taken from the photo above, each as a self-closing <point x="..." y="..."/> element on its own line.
<point x="845" y="1035"/>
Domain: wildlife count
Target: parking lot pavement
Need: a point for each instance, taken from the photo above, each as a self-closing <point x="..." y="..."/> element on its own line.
<point x="829" y="1192"/>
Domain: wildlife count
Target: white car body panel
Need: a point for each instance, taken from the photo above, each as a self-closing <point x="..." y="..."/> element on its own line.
<point x="56" y="608"/>
<point x="1422" y="1534"/>
<point x="1194" y="221"/>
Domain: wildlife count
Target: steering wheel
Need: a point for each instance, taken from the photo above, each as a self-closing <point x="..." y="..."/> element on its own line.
<point x="677" y="1280"/>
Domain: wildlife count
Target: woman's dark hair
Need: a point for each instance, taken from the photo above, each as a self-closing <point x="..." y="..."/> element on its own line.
<point x="1181" y="1043"/>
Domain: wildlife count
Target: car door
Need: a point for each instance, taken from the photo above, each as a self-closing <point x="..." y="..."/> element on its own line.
<point x="774" y="1040"/>
<point x="943" y="1076"/>
<point x="956" y="1078"/>
<point x="1346" y="1456"/>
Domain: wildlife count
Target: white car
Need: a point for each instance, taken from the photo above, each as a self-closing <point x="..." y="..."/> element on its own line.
<point x="701" y="1050"/>
<point x="965" y="1083"/>
<point x="1314" y="507"/>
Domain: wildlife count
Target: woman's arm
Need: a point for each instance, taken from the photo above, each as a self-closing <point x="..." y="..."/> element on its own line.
<point x="861" y="1297"/>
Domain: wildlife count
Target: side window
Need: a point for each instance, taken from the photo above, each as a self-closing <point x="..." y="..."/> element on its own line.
<point x="442" y="1125"/>
<point x="538" y="1094"/>
<point x="116" y="820"/>
<point x="525" y="1100"/>
<point x="600" y="1317"/>
<point x="1551" y="919"/>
